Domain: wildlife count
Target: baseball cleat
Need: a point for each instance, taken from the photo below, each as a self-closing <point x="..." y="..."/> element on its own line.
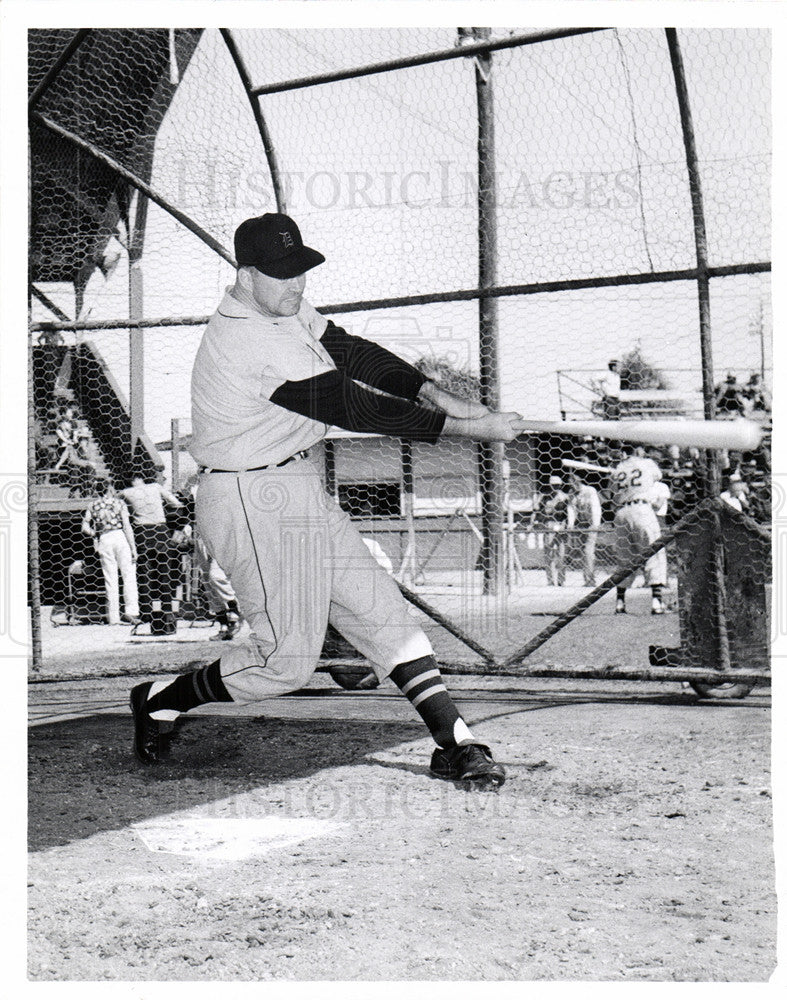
<point x="468" y="762"/>
<point x="620" y="607"/>
<point x="151" y="738"/>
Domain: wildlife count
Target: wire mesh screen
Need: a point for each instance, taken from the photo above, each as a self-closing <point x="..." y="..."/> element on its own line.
<point x="149" y="147"/>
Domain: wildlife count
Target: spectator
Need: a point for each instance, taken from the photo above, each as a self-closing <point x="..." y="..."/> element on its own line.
<point x="557" y="515"/>
<point x="66" y="433"/>
<point x="737" y="494"/>
<point x="106" y="521"/>
<point x="158" y="557"/>
<point x="729" y="402"/>
<point x="587" y="519"/>
<point x="757" y="399"/>
<point x="609" y="387"/>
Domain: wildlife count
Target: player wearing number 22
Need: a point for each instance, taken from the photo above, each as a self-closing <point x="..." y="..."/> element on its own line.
<point x="270" y="377"/>
<point x="636" y="525"/>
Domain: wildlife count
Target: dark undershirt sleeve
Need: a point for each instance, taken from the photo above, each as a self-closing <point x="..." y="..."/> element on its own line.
<point x="367" y="362"/>
<point x="334" y="399"/>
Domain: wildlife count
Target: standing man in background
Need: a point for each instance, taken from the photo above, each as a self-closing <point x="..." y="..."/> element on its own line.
<point x="587" y="520"/>
<point x="557" y="514"/>
<point x="637" y="527"/>
<point x="106" y="522"/>
<point x="609" y="387"/>
<point x="157" y="566"/>
<point x="270" y="377"/>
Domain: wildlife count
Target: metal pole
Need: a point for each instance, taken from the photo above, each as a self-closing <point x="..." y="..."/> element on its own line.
<point x="422" y="59"/>
<point x="329" y="451"/>
<point x="713" y="476"/>
<point x="459" y="295"/>
<point x="135" y="182"/>
<point x="410" y="561"/>
<point x="54" y="70"/>
<point x="490" y="456"/>
<point x="256" y="110"/>
<point x="175" y="453"/>
<point x="33" y="552"/>
<point x="700" y="233"/>
<point x="136" y="375"/>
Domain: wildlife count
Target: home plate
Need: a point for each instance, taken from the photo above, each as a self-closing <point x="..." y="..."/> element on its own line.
<point x="229" y="839"/>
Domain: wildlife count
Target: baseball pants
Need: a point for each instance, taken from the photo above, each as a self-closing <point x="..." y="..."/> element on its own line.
<point x="217" y="586"/>
<point x="636" y="527"/>
<point x="115" y="554"/>
<point x="297" y="562"/>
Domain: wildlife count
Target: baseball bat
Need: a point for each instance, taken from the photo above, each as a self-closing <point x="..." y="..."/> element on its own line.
<point x="733" y="435"/>
<point x="573" y="463"/>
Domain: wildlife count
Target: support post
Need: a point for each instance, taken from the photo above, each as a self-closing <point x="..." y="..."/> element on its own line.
<point x="33" y="552"/>
<point x="175" y="453"/>
<point x="712" y="469"/>
<point x="408" y="568"/>
<point x="490" y="456"/>
<point x="329" y="452"/>
<point x="136" y="354"/>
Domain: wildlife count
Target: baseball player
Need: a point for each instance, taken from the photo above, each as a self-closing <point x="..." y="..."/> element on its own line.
<point x="270" y="377"/>
<point x="587" y="520"/>
<point x="557" y="513"/>
<point x="636" y="525"/>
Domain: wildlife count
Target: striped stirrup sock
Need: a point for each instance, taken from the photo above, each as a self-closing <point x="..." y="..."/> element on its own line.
<point x="168" y="699"/>
<point x="423" y="684"/>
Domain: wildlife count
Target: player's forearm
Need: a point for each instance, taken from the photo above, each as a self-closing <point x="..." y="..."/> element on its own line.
<point x="490" y="427"/>
<point x="368" y="362"/>
<point x="448" y="402"/>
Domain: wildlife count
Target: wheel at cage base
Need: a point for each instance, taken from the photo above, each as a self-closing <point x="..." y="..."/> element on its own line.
<point x="727" y="690"/>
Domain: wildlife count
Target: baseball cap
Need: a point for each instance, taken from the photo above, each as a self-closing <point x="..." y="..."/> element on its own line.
<point x="272" y="243"/>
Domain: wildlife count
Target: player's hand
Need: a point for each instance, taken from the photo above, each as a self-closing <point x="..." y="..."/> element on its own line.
<point x="489" y="427"/>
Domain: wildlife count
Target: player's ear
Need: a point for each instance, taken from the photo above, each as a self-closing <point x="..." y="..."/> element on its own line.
<point x="244" y="278"/>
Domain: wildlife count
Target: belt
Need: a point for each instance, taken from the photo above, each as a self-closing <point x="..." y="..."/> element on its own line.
<point x="258" y="468"/>
<point x="628" y="503"/>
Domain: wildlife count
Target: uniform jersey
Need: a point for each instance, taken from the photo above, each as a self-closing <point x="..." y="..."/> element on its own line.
<point x="660" y="497"/>
<point x="243" y="358"/>
<point x="588" y="506"/>
<point x="267" y="388"/>
<point x="633" y="480"/>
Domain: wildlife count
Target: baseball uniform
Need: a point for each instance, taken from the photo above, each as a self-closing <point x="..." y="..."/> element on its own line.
<point x="588" y="520"/>
<point x="294" y="558"/>
<point x="270" y="377"/>
<point x="636" y="525"/>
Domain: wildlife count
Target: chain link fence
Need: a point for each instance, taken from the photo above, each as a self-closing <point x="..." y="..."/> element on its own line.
<point x="510" y="211"/>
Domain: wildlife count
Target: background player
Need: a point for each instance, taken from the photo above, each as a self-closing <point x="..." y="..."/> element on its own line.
<point x="636" y="525"/>
<point x="587" y="520"/>
<point x="270" y="376"/>
<point x="556" y="512"/>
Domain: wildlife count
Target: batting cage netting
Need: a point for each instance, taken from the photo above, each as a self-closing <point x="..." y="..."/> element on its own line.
<point x="572" y="224"/>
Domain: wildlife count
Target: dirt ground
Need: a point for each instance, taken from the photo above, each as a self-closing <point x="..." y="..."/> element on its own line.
<point x="304" y="839"/>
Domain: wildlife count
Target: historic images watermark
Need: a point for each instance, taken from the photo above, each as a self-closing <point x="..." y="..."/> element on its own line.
<point x="13" y="561"/>
<point x="443" y="184"/>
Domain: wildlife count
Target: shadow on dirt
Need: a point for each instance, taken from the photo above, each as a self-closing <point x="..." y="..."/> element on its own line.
<point x="83" y="779"/>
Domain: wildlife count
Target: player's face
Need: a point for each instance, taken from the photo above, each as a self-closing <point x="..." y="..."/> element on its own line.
<point x="276" y="296"/>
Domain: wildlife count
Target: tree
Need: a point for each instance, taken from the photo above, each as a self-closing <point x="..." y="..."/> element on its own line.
<point x="450" y="376"/>
<point x="637" y="373"/>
